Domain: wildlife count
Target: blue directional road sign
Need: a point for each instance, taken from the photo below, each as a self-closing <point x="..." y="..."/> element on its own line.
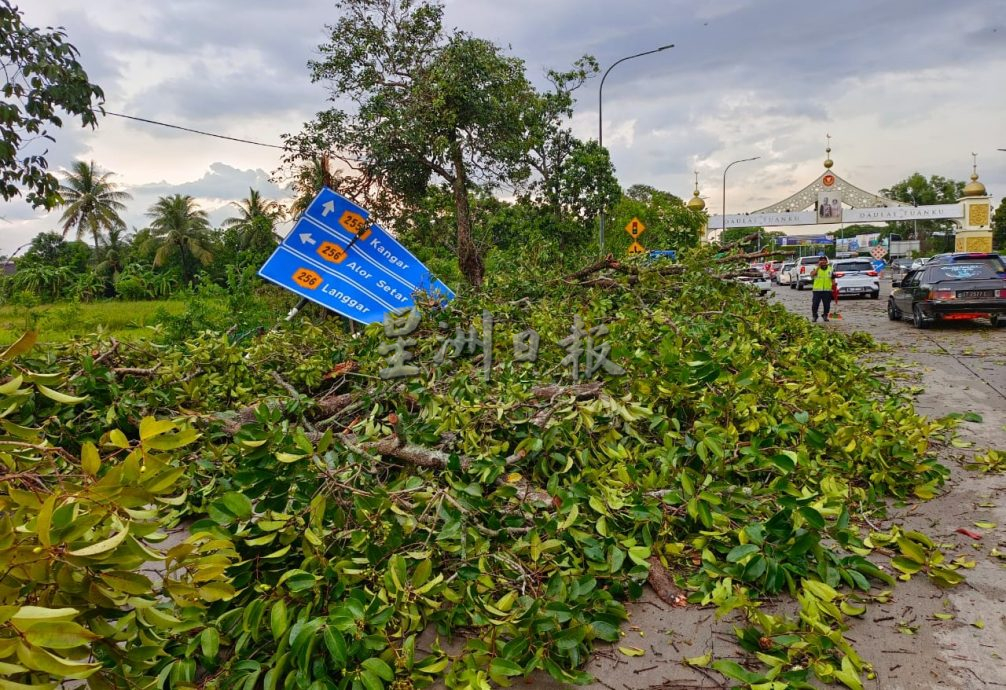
<point x="878" y="265"/>
<point x="336" y="257"/>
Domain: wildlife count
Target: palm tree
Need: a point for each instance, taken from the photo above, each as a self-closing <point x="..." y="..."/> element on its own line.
<point x="308" y="181"/>
<point x="256" y="221"/>
<point x="178" y="225"/>
<point x="92" y="202"/>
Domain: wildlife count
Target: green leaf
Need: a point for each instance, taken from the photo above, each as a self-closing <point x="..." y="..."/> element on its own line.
<point x="741" y="551"/>
<point x="379" y="668"/>
<point x="23" y="344"/>
<point x="820" y="590"/>
<point x="371" y="681"/>
<point x="912" y="550"/>
<point x="11" y="685"/>
<point x="59" y="635"/>
<point x="39" y="659"/>
<point x="102" y="546"/>
<point x="59" y="397"/>
<point x="336" y="645"/>
<point x="632" y="651"/>
<point x="151" y="427"/>
<point x="700" y="661"/>
<point x="731" y="669"/>
<point x="972" y="417"/>
<point x="90" y="461"/>
<point x="848" y="675"/>
<point x="44" y="521"/>
<point x="504" y="667"/>
<point x="27" y="616"/>
<point x="278" y="619"/>
<point x="209" y="643"/>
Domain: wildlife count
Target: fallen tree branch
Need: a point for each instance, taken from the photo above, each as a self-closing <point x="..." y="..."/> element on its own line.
<point x="579" y="391"/>
<point x="100" y="358"/>
<point x="607" y="262"/>
<point x="663" y="585"/>
<point x="409" y="453"/>
<point x="136" y="371"/>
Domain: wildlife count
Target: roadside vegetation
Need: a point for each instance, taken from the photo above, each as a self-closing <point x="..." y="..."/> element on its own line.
<point x="327" y="517"/>
<point x="198" y="494"/>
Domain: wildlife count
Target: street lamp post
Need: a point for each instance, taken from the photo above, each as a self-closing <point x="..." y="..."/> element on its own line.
<point x="600" y="123"/>
<point x="723" y="224"/>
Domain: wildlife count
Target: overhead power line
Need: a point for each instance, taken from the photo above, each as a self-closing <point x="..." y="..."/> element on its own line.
<point x="194" y="131"/>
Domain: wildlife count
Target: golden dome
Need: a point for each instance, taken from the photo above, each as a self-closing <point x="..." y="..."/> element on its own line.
<point x="696" y="203"/>
<point x="827" y="161"/>
<point x="974" y="187"/>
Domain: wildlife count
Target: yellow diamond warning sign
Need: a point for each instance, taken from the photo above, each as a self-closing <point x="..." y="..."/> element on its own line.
<point x="636" y="248"/>
<point x="635" y="228"/>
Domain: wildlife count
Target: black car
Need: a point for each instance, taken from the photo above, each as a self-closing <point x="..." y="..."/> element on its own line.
<point x="967" y="257"/>
<point x="964" y="287"/>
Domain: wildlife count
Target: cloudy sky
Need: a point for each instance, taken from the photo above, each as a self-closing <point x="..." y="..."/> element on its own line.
<point x="901" y="85"/>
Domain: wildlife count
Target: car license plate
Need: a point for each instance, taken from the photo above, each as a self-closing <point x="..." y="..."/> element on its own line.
<point x="975" y="294"/>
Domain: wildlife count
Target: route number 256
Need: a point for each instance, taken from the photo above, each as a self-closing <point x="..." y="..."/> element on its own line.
<point x="307" y="278"/>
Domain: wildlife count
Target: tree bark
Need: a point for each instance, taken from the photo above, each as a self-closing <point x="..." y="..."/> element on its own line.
<point x="469" y="258"/>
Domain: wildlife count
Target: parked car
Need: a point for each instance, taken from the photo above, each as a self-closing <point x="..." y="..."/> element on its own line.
<point x="763" y="285"/>
<point x="919" y="262"/>
<point x="800" y="273"/>
<point x="782" y="276"/>
<point x="899" y="268"/>
<point x="997" y="260"/>
<point x="952" y="290"/>
<point x="856" y="277"/>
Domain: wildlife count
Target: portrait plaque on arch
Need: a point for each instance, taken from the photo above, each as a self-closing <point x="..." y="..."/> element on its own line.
<point x="829" y="207"/>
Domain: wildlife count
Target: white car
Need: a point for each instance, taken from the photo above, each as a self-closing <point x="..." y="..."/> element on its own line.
<point x="856" y="278"/>
<point x="783" y="277"/>
<point x="799" y="275"/>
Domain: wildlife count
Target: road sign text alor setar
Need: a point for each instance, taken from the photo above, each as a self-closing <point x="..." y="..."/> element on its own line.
<point x="635" y="228"/>
<point x="335" y="257"/>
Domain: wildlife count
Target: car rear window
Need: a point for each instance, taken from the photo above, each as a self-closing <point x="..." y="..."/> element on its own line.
<point x="853" y="266"/>
<point x="973" y="270"/>
<point x="809" y="260"/>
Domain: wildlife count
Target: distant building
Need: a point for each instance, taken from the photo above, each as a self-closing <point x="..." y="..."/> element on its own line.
<point x="8" y="268"/>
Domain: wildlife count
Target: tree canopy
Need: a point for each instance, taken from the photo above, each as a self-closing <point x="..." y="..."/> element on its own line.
<point x="918" y="190"/>
<point x="419" y="105"/>
<point x="44" y="79"/>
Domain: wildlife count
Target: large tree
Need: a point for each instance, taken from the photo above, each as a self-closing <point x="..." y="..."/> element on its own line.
<point x="574" y="179"/>
<point x="91" y="201"/>
<point x="920" y="191"/>
<point x="179" y="227"/>
<point x="427" y="104"/>
<point x="999" y="227"/>
<point x="43" y="80"/>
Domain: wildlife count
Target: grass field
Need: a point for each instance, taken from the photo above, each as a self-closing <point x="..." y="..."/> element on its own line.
<point x="60" y="322"/>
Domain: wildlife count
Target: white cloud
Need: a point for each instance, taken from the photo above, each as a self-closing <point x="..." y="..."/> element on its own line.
<point x="902" y="86"/>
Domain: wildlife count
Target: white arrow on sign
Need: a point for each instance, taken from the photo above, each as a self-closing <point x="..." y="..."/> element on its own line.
<point x="305" y="238"/>
<point x="329" y="206"/>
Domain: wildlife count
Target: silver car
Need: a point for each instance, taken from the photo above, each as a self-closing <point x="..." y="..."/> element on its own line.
<point x="782" y="276"/>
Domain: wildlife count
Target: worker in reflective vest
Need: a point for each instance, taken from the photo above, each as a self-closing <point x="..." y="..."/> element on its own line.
<point x="823" y="280"/>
